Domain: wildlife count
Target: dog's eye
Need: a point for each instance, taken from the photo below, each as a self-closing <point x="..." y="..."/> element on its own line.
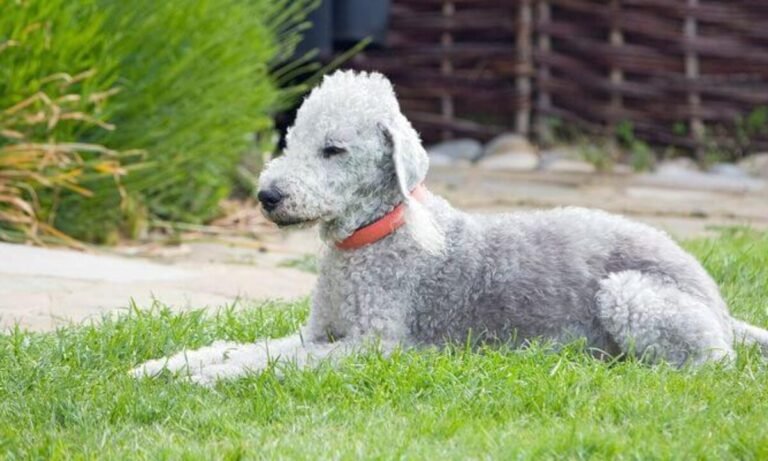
<point x="329" y="151"/>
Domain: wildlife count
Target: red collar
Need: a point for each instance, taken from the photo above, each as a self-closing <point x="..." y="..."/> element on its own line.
<point x="382" y="227"/>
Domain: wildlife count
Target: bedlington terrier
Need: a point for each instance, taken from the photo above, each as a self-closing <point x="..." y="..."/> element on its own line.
<point x="402" y="268"/>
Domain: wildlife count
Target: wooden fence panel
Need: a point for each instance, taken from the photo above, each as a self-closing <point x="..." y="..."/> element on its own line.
<point x="682" y="71"/>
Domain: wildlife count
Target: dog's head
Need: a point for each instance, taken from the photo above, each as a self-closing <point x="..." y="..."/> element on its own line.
<point x="350" y="154"/>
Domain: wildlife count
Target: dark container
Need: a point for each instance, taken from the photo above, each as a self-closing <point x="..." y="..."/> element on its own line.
<point x="354" y="20"/>
<point x="320" y="35"/>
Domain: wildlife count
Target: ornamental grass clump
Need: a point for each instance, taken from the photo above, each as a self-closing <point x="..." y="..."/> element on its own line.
<point x="116" y="113"/>
<point x="36" y="169"/>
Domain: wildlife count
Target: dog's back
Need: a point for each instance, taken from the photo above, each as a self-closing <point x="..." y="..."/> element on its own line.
<point x="527" y="275"/>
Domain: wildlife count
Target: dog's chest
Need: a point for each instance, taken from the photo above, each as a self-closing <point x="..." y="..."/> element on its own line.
<point x="362" y="292"/>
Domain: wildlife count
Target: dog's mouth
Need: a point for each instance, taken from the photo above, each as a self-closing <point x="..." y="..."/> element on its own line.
<point x="289" y="222"/>
<point x="283" y="220"/>
<point x="299" y="223"/>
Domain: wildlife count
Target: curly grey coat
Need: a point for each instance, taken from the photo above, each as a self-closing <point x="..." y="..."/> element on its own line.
<point x="448" y="276"/>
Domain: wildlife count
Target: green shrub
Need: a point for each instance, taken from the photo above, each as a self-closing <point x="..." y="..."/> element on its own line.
<point x="49" y="95"/>
<point x="187" y="82"/>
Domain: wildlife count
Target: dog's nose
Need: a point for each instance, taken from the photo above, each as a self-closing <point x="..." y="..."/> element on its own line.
<point x="270" y="198"/>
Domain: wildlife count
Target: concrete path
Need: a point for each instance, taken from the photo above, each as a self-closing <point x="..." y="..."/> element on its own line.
<point x="41" y="289"/>
<point x="44" y="288"/>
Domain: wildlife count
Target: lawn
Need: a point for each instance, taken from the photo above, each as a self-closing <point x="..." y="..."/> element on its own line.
<point x="67" y="395"/>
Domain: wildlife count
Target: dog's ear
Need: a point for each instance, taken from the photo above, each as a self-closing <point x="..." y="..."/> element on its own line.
<point x="395" y="149"/>
<point x="418" y="219"/>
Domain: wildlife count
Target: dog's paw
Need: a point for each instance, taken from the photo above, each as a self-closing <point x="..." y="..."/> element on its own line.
<point x="150" y="368"/>
<point x="187" y="361"/>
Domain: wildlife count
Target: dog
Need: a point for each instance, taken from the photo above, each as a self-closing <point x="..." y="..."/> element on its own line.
<point x="402" y="268"/>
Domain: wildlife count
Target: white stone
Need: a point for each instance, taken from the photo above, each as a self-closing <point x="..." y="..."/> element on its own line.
<point x="621" y="168"/>
<point x="560" y="152"/>
<point x="674" y="176"/>
<point x="565" y="159"/>
<point x="466" y="148"/>
<point x="508" y="143"/>
<point x="756" y="165"/>
<point x="728" y="169"/>
<point x="439" y="159"/>
<point x="510" y="161"/>
<point x="677" y="164"/>
<point x="567" y="165"/>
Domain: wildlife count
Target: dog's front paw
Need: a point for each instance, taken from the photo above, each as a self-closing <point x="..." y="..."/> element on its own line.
<point x="188" y="361"/>
<point x="150" y="368"/>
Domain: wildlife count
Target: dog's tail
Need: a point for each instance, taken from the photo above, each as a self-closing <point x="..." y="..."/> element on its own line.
<point x="750" y="334"/>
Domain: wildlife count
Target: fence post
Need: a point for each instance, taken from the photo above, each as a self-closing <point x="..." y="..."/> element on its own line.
<point x="544" y="46"/>
<point x="446" y="69"/>
<point x="524" y="68"/>
<point x="617" y="74"/>
<point x="692" y="73"/>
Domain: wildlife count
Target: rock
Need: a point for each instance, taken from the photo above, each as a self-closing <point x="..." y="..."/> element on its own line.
<point x="438" y="159"/>
<point x="622" y="169"/>
<point x="570" y="166"/>
<point x="681" y="178"/>
<point x="509" y="151"/>
<point x="728" y="169"/>
<point x="458" y="149"/>
<point x="558" y="153"/>
<point x="567" y="165"/>
<point x="756" y="165"/>
<point x="510" y="161"/>
<point x="508" y="143"/>
<point x="683" y="172"/>
<point x="565" y="159"/>
<point x="677" y="164"/>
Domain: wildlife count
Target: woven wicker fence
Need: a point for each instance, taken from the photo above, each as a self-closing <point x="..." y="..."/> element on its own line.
<point x="686" y="73"/>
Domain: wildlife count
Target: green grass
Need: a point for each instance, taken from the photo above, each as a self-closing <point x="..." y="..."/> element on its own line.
<point x="66" y="394"/>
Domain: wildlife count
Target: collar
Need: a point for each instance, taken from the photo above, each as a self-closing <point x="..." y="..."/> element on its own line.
<point x="383" y="226"/>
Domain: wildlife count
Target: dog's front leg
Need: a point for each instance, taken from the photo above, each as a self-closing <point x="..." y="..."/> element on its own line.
<point x="253" y="355"/>
<point x="253" y="358"/>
